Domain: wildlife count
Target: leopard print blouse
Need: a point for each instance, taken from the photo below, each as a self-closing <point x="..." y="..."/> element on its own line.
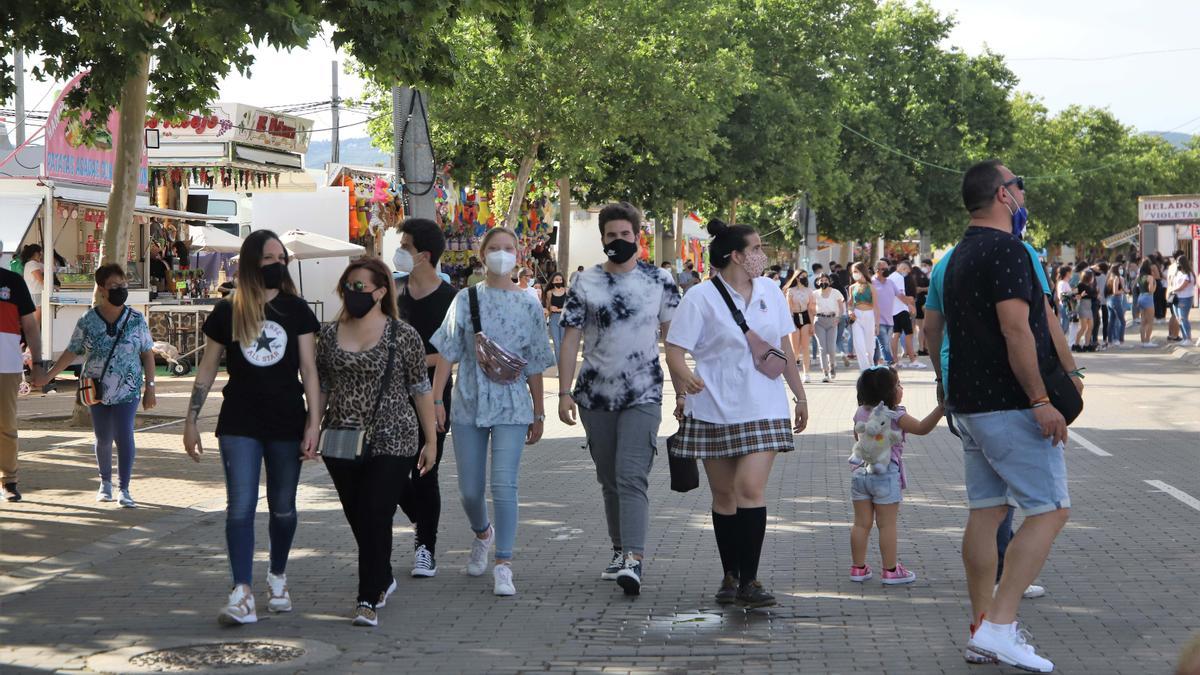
<point x="352" y="381"/>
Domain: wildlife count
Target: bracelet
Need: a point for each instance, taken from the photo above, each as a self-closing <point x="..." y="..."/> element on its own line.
<point x="799" y="400"/>
<point x="539" y="418"/>
<point x="1039" y="404"/>
<point x="438" y="402"/>
<point x="1040" y="400"/>
<point x="149" y="384"/>
<point x="1078" y="372"/>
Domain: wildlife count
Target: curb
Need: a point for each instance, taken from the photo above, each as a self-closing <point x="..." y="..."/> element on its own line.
<point x="1189" y="355"/>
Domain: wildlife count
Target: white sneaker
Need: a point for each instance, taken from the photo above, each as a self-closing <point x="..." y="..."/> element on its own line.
<point x="239" y="609"/>
<point x="278" y="599"/>
<point x="126" y="500"/>
<point x="104" y="494"/>
<point x="804" y="378"/>
<point x="423" y="563"/>
<point x="385" y="595"/>
<point x="1008" y="645"/>
<point x="504" y="581"/>
<point x="1126" y="345"/>
<point x="365" y="615"/>
<point x="1033" y="591"/>
<point x="1149" y="345"/>
<point x="976" y="659"/>
<point x="917" y="364"/>
<point x="480" y="548"/>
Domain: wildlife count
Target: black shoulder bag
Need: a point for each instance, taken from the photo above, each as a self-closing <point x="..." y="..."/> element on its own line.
<point x="91" y="390"/>
<point x="1059" y="388"/>
<point x="355" y="444"/>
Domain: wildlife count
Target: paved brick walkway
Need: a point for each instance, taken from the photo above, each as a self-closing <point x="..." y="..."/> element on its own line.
<point x="1119" y="597"/>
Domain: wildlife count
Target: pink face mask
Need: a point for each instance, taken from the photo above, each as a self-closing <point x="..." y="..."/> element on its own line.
<point x="756" y="264"/>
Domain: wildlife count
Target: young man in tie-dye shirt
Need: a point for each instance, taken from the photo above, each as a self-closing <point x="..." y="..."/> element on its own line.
<point x="619" y="308"/>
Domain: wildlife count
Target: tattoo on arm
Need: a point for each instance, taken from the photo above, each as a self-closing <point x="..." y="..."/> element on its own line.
<point x="199" y="394"/>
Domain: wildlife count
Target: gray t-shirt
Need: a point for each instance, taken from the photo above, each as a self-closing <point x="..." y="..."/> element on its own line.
<point x="619" y="315"/>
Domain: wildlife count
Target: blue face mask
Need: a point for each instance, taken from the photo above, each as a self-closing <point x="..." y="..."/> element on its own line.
<point x="1019" y="218"/>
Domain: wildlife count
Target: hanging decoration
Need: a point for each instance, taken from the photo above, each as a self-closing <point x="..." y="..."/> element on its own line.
<point x="214" y="176"/>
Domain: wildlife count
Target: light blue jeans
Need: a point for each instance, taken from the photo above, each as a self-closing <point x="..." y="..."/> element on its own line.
<point x="1116" y="319"/>
<point x="883" y="344"/>
<point x="556" y="334"/>
<point x="471" y="455"/>
<point x="1182" y="308"/>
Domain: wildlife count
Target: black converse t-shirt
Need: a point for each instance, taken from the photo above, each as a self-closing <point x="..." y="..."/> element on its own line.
<point x="264" y="398"/>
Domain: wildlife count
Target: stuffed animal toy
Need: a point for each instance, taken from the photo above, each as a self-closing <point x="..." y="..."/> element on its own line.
<point x="873" y="449"/>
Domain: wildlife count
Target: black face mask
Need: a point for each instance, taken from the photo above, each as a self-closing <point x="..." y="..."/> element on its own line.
<point x="358" y="303"/>
<point x="272" y="275"/>
<point x="620" y="251"/>
<point x="557" y="284"/>
<point x="118" y="296"/>
<point x="803" y="281"/>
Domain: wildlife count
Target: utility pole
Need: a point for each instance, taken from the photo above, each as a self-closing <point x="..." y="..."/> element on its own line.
<point x="19" y="74"/>
<point x="334" y="151"/>
<point x="413" y="154"/>
<point x="564" y="226"/>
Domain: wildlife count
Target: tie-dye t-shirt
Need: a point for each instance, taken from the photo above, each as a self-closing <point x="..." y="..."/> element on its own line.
<point x="619" y="315"/>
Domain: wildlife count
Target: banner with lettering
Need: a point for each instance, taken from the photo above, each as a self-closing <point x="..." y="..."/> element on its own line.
<point x="67" y="158"/>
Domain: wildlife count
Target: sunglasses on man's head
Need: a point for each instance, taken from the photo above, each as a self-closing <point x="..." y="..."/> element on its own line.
<point x="1019" y="181"/>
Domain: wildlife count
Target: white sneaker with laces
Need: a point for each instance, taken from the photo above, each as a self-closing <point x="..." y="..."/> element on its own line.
<point x="386" y="594"/>
<point x="1033" y="591"/>
<point x="423" y="563"/>
<point x="126" y="500"/>
<point x="917" y="364"/>
<point x="976" y="659"/>
<point x="278" y="599"/>
<point x="240" y="608"/>
<point x="502" y="574"/>
<point x="480" y="548"/>
<point x="104" y="494"/>
<point x="1007" y="644"/>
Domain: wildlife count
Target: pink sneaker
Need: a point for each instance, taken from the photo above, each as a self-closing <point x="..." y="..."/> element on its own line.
<point x="900" y="576"/>
<point x="860" y="573"/>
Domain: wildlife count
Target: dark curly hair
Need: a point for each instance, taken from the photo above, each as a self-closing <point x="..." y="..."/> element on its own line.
<point x="878" y="384"/>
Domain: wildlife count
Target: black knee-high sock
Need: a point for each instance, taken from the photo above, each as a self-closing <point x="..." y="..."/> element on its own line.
<point x="726" y="529"/>
<point x="752" y="527"/>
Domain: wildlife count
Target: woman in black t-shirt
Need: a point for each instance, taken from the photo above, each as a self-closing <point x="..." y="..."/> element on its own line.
<point x="267" y="333"/>
<point x="1088" y="297"/>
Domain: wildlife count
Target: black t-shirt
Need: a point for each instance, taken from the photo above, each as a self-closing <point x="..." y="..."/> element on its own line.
<point x="264" y="398"/>
<point x="841" y="281"/>
<point x="426" y="316"/>
<point x="989" y="267"/>
<point x="1086" y="291"/>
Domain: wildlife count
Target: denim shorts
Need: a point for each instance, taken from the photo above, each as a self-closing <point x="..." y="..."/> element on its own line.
<point x="879" y="488"/>
<point x="1008" y="461"/>
<point x="1145" y="301"/>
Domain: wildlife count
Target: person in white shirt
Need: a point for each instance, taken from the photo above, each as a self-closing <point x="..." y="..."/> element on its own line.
<point x="34" y="274"/>
<point x="902" y="312"/>
<point x="829" y="305"/>
<point x="730" y="414"/>
<point x="525" y="281"/>
<point x="1182" y="283"/>
<point x="800" y="301"/>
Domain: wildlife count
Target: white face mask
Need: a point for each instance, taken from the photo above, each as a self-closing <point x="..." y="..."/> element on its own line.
<point x="403" y="261"/>
<point x="500" y="262"/>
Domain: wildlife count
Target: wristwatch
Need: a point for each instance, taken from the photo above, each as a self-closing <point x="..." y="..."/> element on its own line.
<point x="539" y="418"/>
<point x="150" y="383"/>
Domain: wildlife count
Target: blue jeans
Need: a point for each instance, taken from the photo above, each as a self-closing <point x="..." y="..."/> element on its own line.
<point x="114" y="423"/>
<point x="1064" y="317"/>
<point x="1006" y="459"/>
<point x="556" y="334"/>
<point x="243" y="458"/>
<point x="883" y="344"/>
<point x="1116" y="319"/>
<point x="1181" y="309"/>
<point x="843" y="335"/>
<point x="471" y="453"/>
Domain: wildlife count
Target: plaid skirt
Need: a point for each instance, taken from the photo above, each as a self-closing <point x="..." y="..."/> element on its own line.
<point x="705" y="440"/>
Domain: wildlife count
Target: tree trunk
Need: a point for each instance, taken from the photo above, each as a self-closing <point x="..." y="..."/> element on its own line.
<point x="679" y="215"/>
<point x="564" y="226"/>
<point x="126" y="166"/>
<point x="521" y="186"/>
<point x="733" y="211"/>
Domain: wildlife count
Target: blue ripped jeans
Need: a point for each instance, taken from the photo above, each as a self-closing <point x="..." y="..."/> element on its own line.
<point x="243" y="459"/>
<point x="471" y="457"/>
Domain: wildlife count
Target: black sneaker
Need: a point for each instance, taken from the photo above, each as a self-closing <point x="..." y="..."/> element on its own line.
<point x="729" y="588"/>
<point x="630" y="576"/>
<point x="614" y="566"/>
<point x="424" y="564"/>
<point x="752" y="595"/>
<point x="11" y="493"/>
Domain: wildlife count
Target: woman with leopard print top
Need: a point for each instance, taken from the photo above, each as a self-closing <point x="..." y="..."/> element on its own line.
<point x="352" y="358"/>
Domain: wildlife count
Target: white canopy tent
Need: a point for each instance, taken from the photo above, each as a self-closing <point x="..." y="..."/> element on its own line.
<point x="303" y="245"/>
<point x="206" y="239"/>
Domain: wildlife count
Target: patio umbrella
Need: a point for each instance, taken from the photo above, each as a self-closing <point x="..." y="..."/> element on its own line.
<point x="303" y="245"/>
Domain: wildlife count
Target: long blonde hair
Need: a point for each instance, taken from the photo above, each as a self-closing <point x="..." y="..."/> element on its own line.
<point x="249" y="299"/>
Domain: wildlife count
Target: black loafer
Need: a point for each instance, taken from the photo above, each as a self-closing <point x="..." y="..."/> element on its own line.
<point x="752" y="595"/>
<point x="11" y="493"/>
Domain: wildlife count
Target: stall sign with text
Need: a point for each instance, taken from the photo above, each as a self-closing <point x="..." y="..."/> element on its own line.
<point x="67" y="158"/>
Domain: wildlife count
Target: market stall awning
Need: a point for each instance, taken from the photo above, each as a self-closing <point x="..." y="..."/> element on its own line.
<point x="99" y="199"/>
<point x="212" y="240"/>
<point x="1122" y="237"/>
<point x="307" y="245"/>
<point x="16" y="215"/>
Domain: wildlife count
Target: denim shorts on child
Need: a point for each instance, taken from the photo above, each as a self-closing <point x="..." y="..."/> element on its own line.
<point x="1005" y="457"/>
<point x="879" y="488"/>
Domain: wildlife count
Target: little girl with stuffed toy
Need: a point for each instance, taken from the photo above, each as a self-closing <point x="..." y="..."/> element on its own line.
<point x="877" y="477"/>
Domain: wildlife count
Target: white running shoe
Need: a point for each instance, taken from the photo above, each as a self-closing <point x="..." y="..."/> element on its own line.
<point x="504" y="580"/>
<point x="239" y="609"/>
<point x="1008" y="645"/>
<point x="278" y="599"/>
<point x="104" y="494"/>
<point x="126" y="500"/>
<point x="1149" y="345"/>
<point x="804" y="378"/>
<point x="480" y="548"/>
<point x="976" y="659"/>
<point x="386" y="594"/>
<point x="423" y="563"/>
<point x="1033" y="591"/>
<point x="917" y="364"/>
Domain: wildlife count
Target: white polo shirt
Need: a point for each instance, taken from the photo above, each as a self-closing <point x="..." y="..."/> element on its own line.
<point x="897" y="280"/>
<point x="734" y="391"/>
